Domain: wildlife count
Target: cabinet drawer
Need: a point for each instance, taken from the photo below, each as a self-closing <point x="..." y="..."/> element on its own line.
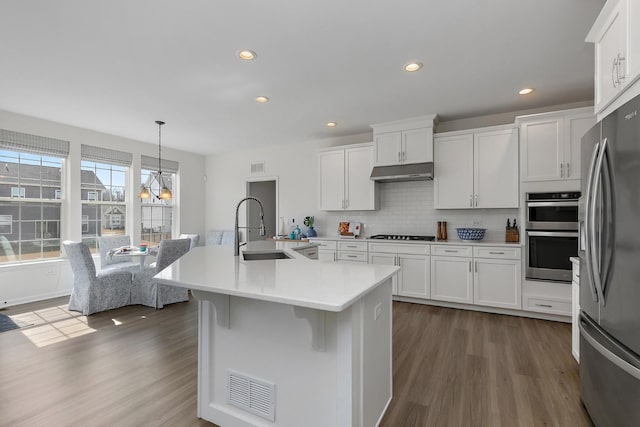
<point x="352" y="256"/>
<point x="499" y="252"/>
<point x="398" y="248"/>
<point x="447" y="250"/>
<point x="325" y="245"/>
<point x="550" y="306"/>
<point x="352" y="246"/>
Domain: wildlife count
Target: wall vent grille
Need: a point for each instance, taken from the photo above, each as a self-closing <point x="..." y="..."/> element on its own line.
<point x="251" y="394"/>
<point x="257" y="167"/>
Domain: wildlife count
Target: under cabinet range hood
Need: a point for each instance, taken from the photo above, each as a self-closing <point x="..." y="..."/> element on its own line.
<point x="408" y="172"/>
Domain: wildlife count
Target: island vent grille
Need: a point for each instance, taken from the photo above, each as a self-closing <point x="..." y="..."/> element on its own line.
<point x="251" y="394"/>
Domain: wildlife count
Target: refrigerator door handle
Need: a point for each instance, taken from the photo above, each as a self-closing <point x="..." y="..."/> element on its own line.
<point x="587" y="229"/>
<point x="611" y="356"/>
<point x="596" y="242"/>
<point x="609" y="199"/>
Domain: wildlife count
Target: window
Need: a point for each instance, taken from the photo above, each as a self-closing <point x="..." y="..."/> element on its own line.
<point x="156" y="215"/>
<point x="29" y="210"/>
<point x="103" y="189"/>
<point x="18" y="192"/>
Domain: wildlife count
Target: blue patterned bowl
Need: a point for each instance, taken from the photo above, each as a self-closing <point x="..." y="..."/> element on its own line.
<point x="471" y="233"/>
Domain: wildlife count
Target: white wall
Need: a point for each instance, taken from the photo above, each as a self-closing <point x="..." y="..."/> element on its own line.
<point x="33" y="281"/>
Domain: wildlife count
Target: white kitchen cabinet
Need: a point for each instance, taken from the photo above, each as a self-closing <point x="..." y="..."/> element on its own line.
<point x="451" y="279"/>
<point x="413" y="260"/>
<point x="327" y="249"/>
<point x="616" y="38"/>
<point x="550" y="144"/>
<point x="497" y="283"/>
<point x="404" y="141"/>
<point x="344" y="178"/>
<point x="352" y="251"/>
<point x="453" y="172"/>
<point x="476" y="169"/>
<point x="385" y="259"/>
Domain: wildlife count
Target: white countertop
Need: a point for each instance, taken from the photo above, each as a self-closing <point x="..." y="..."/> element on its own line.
<point x="422" y="242"/>
<point x="330" y="286"/>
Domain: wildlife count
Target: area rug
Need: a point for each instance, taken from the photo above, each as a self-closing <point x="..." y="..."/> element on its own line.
<point x="8" y="324"/>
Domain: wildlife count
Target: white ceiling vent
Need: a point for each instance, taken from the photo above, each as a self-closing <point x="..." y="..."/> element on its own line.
<point x="257" y="167"/>
<point x="252" y="395"/>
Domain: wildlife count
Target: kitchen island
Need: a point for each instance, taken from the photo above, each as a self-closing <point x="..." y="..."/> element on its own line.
<point x="289" y="342"/>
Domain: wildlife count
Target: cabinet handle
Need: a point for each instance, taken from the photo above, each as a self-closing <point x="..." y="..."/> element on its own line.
<point x="346" y="203"/>
<point x="335" y="256"/>
<point x="399" y="158"/>
<point x="404" y="156"/>
<point x="451" y="250"/>
<point x="561" y="170"/>
<point x="476" y="200"/>
<point x="568" y="170"/>
<point x="471" y="201"/>
<point x="614" y="73"/>
<point x="396" y="260"/>
<point x="544" y="305"/>
<point x="352" y="246"/>
<point x="352" y="256"/>
<point x="469" y="266"/>
<point x="496" y="253"/>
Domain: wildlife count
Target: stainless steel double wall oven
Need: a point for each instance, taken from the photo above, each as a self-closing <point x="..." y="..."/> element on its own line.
<point x="551" y="235"/>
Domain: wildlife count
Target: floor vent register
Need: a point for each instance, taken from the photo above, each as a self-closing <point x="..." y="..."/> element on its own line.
<point x="251" y="394"/>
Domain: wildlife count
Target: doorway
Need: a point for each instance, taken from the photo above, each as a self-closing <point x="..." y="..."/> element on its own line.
<point x="265" y="190"/>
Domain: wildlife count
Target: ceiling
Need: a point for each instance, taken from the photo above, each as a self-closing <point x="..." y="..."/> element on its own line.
<point x="117" y="66"/>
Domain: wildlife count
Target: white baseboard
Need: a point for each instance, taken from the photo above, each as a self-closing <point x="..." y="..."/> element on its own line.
<point x="34" y="298"/>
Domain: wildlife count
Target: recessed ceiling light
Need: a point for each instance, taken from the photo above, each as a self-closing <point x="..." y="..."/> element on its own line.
<point x="526" y="91"/>
<point x="247" y="55"/>
<point x="331" y="124"/>
<point x="262" y="99"/>
<point x="412" y="66"/>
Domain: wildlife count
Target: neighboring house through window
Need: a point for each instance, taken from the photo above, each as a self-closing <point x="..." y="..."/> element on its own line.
<point x="29" y="211"/>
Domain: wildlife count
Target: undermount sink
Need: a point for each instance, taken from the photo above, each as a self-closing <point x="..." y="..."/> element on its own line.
<point x="261" y="255"/>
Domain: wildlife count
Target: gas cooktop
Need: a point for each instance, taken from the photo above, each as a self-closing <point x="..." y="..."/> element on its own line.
<point x="402" y="237"/>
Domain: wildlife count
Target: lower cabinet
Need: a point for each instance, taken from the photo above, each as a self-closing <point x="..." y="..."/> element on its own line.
<point x="451" y="279"/>
<point x="327" y="255"/>
<point x="497" y="283"/>
<point x="413" y="278"/>
<point x="490" y="277"/>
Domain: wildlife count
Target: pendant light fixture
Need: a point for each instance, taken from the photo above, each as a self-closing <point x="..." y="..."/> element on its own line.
<point x="165" y="193"/>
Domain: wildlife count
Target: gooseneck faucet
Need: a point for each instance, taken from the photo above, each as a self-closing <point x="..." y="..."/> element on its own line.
<point x="236" y="242"/>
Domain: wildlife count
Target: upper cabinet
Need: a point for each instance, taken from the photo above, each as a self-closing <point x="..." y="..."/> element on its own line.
<point x="550" y="144"/>
<point x="344" y="178"/>
<point x="616" y="38"/>
<point x="404" y="141"/>
<point x="476" y="169"/>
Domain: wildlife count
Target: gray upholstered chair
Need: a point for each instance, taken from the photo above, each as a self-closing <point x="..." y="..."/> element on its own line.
<point x="95" y="292"/>
<point x="195" y="239"/>
<point x="146" y="292"/>
<point x="107" y="243"/>
<point x="217" y="238"/>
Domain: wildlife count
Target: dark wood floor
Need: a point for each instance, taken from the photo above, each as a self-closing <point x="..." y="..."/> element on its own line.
<point x="136" y="366"/>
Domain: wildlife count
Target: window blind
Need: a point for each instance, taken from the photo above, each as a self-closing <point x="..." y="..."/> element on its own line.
<point x="106" y="155"/>
<point x="151" y="163"/>
<point x="34" y="144"/>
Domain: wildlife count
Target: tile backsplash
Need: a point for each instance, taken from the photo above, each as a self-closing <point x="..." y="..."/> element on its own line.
<point x="407" y="208"/>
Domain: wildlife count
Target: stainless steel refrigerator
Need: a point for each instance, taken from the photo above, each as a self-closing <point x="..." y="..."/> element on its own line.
<point x="609" y="246"/>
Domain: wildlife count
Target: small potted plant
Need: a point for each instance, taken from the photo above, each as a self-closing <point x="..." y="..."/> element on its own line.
<point x="308" y="221"/>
